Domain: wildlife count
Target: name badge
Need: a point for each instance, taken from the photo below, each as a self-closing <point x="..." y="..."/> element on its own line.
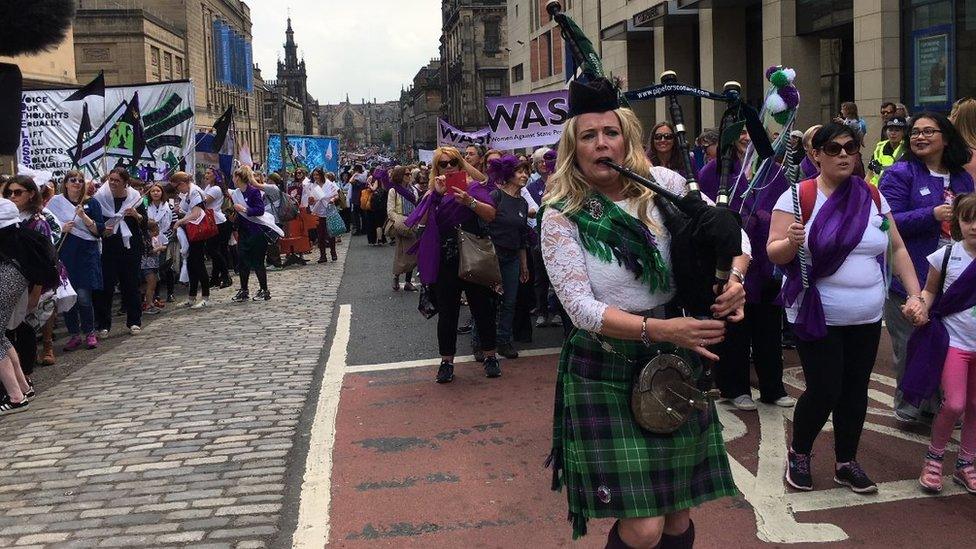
<point x="925" y="191"/>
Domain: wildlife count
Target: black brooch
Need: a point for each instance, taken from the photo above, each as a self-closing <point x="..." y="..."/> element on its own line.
<point x="595" y="208"/>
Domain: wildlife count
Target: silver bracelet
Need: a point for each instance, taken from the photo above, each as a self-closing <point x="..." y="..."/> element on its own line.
<point x="738" y="274"/>
<point x="473" y="204"/>
<point x="645" y="338"/>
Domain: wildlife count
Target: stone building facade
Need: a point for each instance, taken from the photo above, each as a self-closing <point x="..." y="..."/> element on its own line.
<point x="474" y="59"/>
<point x="166" y="24"/>
<point x="843" y="50"/>
<point x="53" y="68"/>
<point x="420" y="107"/>
<point x="363" y="124"/>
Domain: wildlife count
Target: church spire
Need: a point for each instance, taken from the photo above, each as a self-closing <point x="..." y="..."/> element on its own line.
<point x="291" y="48"/>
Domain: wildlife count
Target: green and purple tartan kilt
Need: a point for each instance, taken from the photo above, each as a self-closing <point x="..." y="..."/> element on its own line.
<point x="610" y="465"/>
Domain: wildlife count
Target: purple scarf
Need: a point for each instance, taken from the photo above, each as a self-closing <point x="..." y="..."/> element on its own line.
<point x="407" y="194"/>
<point x="833" y="235"/>
<point x="808" y="169"/>
<point x="756" y="216"/>
<point x="444" y="214"/>
<point x="929" y="344"/>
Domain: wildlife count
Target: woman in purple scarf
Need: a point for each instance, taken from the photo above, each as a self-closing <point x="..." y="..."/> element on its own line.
<point x="759" y="336"/>
<point x="442" y="211"/>
<point x="920" y="191"/>
<point x="836" y="309"/>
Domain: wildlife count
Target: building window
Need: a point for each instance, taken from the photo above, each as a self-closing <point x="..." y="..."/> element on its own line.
<point x="492" y="36"/>
<point x="179" y="67"/>
<point x="493" y="86"/>
<point x="168" y="65"/>
<point x="154" y="63"/>
<point x="518" y="73"/>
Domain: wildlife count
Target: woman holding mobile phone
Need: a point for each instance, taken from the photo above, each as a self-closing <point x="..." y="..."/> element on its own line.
<point x="443" y="209"/>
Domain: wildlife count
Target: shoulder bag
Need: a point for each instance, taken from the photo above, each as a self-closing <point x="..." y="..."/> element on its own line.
<point x="477" y="261"/>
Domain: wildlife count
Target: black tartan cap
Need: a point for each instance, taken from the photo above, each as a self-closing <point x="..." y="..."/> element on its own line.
<point x="597" y="95"/>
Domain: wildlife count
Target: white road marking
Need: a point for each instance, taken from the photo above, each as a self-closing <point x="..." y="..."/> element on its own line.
<point x="775" y="508"/>
<point x="435" y="361"/>
<point x="313" y="529"/>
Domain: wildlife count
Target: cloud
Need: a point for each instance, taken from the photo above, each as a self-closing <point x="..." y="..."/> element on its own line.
<point x="366" y="48"/>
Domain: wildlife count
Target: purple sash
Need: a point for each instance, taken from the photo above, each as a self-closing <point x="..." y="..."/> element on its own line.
<point x="406" y="194"/>
<point x="929" y="344"/>
<point x="808" y="168"/>
<point x="443" y="215"/>
<point x="833" y="235"/>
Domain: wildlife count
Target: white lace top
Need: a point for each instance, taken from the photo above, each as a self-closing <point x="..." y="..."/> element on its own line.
<point x="586" y="285"/>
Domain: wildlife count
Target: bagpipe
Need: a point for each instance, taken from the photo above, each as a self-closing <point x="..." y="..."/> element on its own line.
<point x="705" y="238"/>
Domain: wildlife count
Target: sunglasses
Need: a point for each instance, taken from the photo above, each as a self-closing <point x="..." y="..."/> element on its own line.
<point x="833" y="148"/>
<point x="445" y="163"/>
<point x="75" y="180"/>
<point x="7" y="193"/>
<point x="663" y="137"/>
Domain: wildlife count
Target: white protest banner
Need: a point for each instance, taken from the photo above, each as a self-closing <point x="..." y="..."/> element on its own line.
<point x="99" y="134"/>
<point x="449" y="136"/>
<point x="425" y="156"/>
<point x="526" y="121"/>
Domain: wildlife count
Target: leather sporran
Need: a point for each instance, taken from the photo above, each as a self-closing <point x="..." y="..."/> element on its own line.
<point x="477" y="261"/>
<point x="664" y="394"/>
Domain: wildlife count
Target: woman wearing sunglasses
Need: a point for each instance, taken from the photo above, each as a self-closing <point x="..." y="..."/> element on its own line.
<point x="837" y="318"/>
<point x="920" y="191"/>
<point x="24" y="192"/>
<point x="758" y="338"/>
<point x="661" y="150"/>
<point x="442" y="210"/>
<point x="82" y="222"/>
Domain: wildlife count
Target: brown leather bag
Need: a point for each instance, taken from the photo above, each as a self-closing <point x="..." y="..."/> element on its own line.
<point x="477" y="260"/>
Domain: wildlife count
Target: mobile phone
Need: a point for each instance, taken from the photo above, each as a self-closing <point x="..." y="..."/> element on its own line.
<point x="458" y="180"/>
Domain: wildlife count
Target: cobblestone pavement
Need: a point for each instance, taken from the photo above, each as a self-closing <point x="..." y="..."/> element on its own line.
<point x="179" y="436"/>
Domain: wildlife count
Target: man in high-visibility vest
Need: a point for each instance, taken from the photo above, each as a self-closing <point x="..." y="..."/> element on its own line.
<point x="890" y="150"/>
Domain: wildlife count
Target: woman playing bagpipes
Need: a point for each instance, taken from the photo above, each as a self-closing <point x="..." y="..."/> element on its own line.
<point x="606" y="249"/>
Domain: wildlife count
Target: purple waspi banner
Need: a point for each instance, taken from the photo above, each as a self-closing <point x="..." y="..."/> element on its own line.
<point x="529" y="120"/>
<point x="448" y="135"/>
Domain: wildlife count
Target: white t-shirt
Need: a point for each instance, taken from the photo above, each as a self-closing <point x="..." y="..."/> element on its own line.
<point x="962" y="325"/>
<point x="216" y="193"/>
<point x="855" y="293"/>
<point x="192" y="198"/>
<point x="532" y="206"/>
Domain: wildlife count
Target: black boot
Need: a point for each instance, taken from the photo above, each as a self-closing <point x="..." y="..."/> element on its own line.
<point x="681" y="541"/>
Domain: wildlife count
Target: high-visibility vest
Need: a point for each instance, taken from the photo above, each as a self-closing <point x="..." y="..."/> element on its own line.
<point x="884" y="159"/>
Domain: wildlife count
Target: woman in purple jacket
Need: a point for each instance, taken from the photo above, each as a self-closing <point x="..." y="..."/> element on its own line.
<point x="442" y="210"/>
<point x="759" y="336"/>
<point x="920" y="191"/>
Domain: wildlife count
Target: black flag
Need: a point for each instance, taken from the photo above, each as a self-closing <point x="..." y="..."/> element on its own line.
<point x="95" y="87"/>
<point x="83" y="130"/>
<point x="221" y="127"/>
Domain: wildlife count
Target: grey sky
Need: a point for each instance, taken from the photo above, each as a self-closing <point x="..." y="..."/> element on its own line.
<point x="368" y="48"/>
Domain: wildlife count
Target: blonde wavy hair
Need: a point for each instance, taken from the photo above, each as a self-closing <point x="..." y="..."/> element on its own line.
<point x="963" y="117"/>
<point x="245" y="173"/>
<point x="448" y="153"/>
<point x="568" y="185"/>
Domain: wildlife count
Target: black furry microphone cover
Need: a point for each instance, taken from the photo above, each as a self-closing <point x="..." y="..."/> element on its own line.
<point x="33" y="26"/>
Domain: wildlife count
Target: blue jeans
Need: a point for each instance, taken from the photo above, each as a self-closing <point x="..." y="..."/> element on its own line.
<point x="83" y="312"/>
<point x="509" y="268"/>
<point x="506" y="308"/>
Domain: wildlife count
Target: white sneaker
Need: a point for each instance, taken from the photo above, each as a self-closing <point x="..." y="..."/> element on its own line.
<point x="187" y="304"/>
<point x="200" y="304"/>
<point x="785" y="401"/>
<point x="744" y="402"/>
<point x="135" y="329"/>
<point x="102" y="334"/>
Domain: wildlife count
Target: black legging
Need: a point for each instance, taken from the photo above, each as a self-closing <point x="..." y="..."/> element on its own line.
<point x="196" y="268"/>
<point x="759" y="338"/>
<point x="370" y="226"/>
<point x="253" y="249"/>
<point x="447" y="291"/>
<point x="837" y="370"/>
<point x="119" y="266"/>
<point x="219" y="254"/>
